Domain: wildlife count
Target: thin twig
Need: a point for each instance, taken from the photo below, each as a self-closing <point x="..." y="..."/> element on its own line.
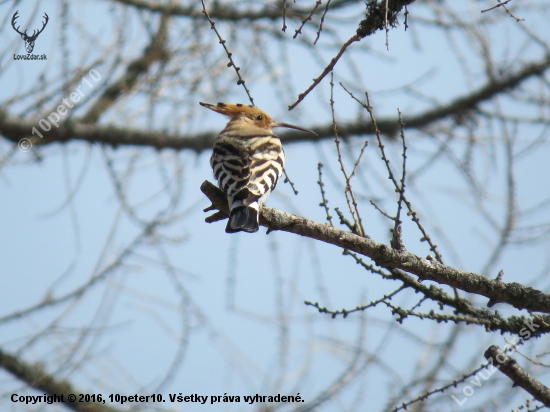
<point x="381" y="211"/>
<point x="346" y="312"/>
<point x="324" y="203"/>
<point x="344" y="221"/>
<point x="308" y="18"/>
<point x="348" y="191"/>
<point x="359" y="158"/>
<point x="404" y="313"/>
<point x="502" y="4"/>
<point x="229" y="54"/>
<point x="441" y="389"/>
<point x="367" y="27"/>
<point x="386" y="11"/>
<point x="412" y="213"/>
<point x="284" y="16"/>
<point x="369" y="267"/>
<point x="287" y="180"/>
<point x="322" y="21"/>
<point x="397" y="240"/>
<point x="327" y="70"/>
<point x="516" y="350"/>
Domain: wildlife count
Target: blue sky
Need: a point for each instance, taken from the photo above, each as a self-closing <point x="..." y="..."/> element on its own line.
<point x="231" y="307"/>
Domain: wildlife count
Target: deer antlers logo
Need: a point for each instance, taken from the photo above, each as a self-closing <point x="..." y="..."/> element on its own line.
<point x="29" y="40"/>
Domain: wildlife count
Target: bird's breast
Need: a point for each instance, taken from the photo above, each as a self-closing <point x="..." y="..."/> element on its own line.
<point x="251" y="144"/>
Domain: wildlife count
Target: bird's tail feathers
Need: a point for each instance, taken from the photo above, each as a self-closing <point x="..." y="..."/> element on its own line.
<point x="243" y="219"/>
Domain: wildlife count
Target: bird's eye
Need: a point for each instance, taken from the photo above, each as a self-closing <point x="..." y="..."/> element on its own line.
<point x="259" y="117"/>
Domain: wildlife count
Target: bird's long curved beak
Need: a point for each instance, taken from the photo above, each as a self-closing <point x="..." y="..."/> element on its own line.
<point x="292" y="126"/>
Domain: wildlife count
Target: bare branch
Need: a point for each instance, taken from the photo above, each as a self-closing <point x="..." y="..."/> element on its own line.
<point x="510" y="367"/>
<point x="378" y="18"/>
<point x="515" y="294"/>
<point x="322" y="21"/>
<point x="224" y="11"/>
<point x="229" y="54"/>
<point x="15" y="129"/>
<point x="35" y="377"/>
<point x="154" y="52"/>
<point x="308" y="18"/>
<point x="503" y="5"/>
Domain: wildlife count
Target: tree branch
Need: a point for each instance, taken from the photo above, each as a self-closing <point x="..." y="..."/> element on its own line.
<point x="229" y="12"/>
<point x="510" y="367"/>
<point x="15" y="129"/>
<point x="515" y="294"/>
<point x="378" y="16"/>
<point x="155" y="51"/>
<point x="35" y="376"/>
<point x="495" y="321"/>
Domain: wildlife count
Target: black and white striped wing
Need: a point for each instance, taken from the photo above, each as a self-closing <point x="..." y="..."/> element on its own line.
<point x="248" y="173"/>
<point x="231" y="167"/>
<point x="266" y="167"/>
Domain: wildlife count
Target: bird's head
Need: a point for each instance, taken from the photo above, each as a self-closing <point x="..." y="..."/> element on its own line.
<point x="250" y="115"/>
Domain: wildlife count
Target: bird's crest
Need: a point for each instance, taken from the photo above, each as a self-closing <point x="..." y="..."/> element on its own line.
<point x="255" y="116"/>
<point x="251" y="115"/>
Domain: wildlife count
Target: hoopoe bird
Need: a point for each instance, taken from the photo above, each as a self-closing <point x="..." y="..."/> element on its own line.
<point x="247" y="160"/>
